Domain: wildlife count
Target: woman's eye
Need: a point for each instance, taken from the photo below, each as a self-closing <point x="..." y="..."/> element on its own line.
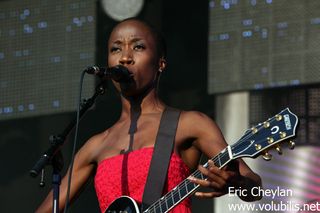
<point x="139" y="47"/>
<point x="114" y="49"/>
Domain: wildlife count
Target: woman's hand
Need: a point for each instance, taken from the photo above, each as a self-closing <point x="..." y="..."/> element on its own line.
<point x="218" y="180"/>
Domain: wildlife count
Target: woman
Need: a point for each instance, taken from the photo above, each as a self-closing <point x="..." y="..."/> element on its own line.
<point x="138" y="47"/>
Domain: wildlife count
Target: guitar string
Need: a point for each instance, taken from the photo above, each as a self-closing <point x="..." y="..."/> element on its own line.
<point x="173" y="193"/>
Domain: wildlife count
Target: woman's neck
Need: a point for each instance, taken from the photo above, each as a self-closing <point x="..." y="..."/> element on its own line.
<point x="149" y="103"/>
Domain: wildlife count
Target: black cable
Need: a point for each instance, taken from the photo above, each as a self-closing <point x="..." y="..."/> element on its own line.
<point x="74" y="142"/>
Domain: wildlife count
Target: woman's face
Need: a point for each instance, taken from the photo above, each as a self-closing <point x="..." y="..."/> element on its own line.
<point x="133" y="45"/>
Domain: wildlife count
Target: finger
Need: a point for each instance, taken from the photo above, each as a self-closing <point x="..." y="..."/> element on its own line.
<point x="205" y="183"/>
<point x="218" y="172"/>
<point x="225" y="174"/>
<point x="213" y="176"/>
<point x="208" y="194"/>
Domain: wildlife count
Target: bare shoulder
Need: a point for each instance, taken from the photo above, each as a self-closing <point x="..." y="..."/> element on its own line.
<point x="89" y="151"/>
<point x="198" y="122"/>
<point x="203" y="131"/>
<point x="193" y="115"/>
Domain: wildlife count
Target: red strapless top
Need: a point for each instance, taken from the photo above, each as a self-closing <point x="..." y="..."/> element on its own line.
<point x="126" y="174"/>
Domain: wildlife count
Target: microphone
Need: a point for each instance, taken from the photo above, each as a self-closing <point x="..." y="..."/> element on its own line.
<point x="118" y="73"/>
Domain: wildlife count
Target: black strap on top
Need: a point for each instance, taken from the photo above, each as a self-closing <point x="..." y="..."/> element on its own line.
<point x="161" y="157"/>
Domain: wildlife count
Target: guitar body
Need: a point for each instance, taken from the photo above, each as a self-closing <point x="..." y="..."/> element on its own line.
<point x="123" y="204"/>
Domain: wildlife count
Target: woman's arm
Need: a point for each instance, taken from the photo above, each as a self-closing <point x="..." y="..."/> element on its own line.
<point x="210" y="141"/>
<point x="83" y="168"/>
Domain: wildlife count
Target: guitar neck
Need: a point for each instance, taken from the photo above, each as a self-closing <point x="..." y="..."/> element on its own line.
<point x="186" y="187"/>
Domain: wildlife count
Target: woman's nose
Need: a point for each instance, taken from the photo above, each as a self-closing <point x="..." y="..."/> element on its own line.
<point x="126" y="58"/>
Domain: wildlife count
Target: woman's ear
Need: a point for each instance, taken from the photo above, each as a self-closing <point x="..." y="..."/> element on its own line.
<point x="162" y="64"/>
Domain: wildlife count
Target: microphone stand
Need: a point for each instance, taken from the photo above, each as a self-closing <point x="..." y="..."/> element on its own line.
<point x="53" y="155"/>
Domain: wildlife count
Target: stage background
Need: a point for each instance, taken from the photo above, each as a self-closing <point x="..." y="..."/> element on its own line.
<point x="44" y="46"/>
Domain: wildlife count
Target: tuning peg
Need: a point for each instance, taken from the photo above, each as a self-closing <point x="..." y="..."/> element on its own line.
<point x="282" y="134"/>
<point x="266" y="156"/>
<point x="266" y="124"/>
<point x="270" y="140"/>
<point x="254" y="130"/>
<point x="258" y="147"/>
<point x="279" y="150"/>
<point x="278" y="117"/>
<point x="292" y="144"/>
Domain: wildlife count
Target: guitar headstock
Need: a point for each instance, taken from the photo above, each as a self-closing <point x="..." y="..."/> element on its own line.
<point x="264" y="136"/>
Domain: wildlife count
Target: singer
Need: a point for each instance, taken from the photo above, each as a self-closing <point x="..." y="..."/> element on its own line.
<point x="119" y="158"/>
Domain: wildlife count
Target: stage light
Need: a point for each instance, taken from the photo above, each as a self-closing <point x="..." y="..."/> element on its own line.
<point x="122" y="9"/>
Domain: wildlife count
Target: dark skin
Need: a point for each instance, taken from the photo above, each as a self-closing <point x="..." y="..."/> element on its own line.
<point x="133" y="45"/>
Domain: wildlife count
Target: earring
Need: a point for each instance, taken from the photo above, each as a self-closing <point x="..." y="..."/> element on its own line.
<point x="160" y="70"/>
